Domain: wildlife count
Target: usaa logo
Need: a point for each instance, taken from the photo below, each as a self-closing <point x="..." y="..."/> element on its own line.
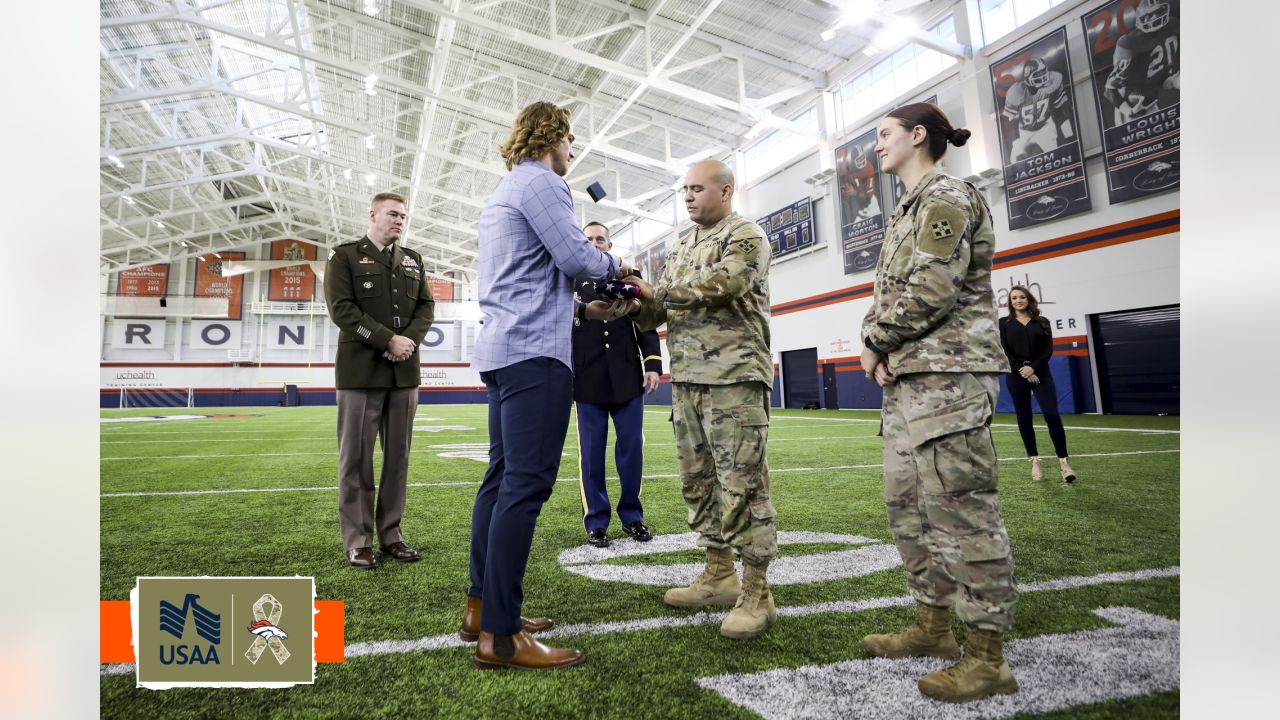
<point x="1048" y="206"/>
<point x="208" y="627"/>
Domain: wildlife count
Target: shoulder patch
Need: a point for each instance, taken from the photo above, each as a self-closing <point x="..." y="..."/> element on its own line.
<point x="940" y="227"/>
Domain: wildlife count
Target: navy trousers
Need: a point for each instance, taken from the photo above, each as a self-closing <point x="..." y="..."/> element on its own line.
<point x="528" y="417"/>
<point x="1046" y="393"/>
<point x="628" y="456"/>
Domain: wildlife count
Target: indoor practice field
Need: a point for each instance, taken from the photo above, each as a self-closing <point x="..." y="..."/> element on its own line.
<point x="252" y="491"/>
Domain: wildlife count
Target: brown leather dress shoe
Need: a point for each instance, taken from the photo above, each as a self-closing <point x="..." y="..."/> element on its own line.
<point x="522" y="652"/>
<point x="362" y="558"/>
<point x="400" y="552"/>
<point x="470" y="631"/>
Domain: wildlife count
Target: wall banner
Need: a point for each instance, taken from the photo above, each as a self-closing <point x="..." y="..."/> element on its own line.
<point x="148" y="281"/>
<point x="789" y="228"/>
<point x="293" y="282"/>
<point x="1133" y="63"/>
<point x="211" y="283"/>
<point x="1039" y="131"/>
<point x="134" y="334"/>
<point x="861" y="216"/>
<point x="215" y="335"/>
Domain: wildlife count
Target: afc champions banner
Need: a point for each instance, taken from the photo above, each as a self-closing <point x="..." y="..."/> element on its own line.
<point x="211" y="283"/>
<point x="292" y="282"/>
<point x="897" y="190"/>
<point x="147" y="281"/>
<point x="861" y="216"/>
<point x="1133" y="63"/>
<point x="1039" y="131"/>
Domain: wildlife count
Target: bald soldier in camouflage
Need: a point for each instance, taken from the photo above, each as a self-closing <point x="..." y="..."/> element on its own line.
<point x="932" y="343"/>
<point x="714" y="296"/>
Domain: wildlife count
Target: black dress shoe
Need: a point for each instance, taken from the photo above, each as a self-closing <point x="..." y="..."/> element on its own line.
<point x="362" y="558"/>
<point x="598" y="538"/>
<point x="638" y="530"/>
<point x="400" y="552"/>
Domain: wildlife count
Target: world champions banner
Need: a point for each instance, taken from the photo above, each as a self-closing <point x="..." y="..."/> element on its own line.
<point x="861" y="215"/>
<point x="211" y="283"/>
<point x="1133" y="65"/>
<point x="1039" y="131"/>
<point x="292" y="282"/>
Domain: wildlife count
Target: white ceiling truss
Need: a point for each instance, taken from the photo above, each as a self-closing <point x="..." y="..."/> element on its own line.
<point x="227" y="124"/>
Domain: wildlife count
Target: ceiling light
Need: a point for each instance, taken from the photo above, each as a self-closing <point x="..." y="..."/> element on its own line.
<point x="829" y="34"/>
<point x="130" y="200"/>
<point x="370" y="180"/>
<point x="218" y="255"/>
<point x="115" y="161"/>
<point x="370" y="7"/>
<point x="368" y="142"/>
<point x="159" y="224"/>
<point x="346" y="174"/>
<point x="184" y="243"/>
<point x="369" y="83"/>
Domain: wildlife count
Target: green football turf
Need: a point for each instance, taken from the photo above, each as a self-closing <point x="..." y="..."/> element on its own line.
<point x="1122" y="515"/>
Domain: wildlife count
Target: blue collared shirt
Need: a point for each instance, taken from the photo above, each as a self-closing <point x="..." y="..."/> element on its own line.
<point x="531" y="248"/>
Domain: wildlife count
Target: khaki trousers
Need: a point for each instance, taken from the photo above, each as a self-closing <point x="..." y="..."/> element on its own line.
<point x="365" y="416"/>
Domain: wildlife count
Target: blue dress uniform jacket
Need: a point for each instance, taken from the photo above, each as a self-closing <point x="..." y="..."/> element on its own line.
<point x="373" y="296"/>
<point x="611" y="357"/>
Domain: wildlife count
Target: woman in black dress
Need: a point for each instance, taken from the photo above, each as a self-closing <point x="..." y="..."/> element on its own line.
<point x="1028" y="341"/>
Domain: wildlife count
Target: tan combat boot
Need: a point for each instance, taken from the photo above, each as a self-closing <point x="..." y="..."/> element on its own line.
<point x="930" y="637"/>
<point x="1037" y="472"/>
<point x="754" y="611"/>
<point x="982" y="672"/>
<point x="718" y="584"/>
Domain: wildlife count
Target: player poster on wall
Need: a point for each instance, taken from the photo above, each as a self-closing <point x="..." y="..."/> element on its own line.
<point x="896" y="189"/>
<point x="861" y="216"/>
<point x="1039" y="131"/>
<point x="1133" y="62"/>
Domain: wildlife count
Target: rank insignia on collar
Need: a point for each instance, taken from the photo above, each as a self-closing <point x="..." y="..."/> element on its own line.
<point x="365" y="260"/>
<point x="409" y="262"/>
<point x="941" y="229"/>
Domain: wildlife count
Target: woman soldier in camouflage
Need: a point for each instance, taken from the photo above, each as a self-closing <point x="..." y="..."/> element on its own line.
<point x="931" y="341"/>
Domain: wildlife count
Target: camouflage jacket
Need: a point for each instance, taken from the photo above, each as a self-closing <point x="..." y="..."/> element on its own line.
<point x="934" y="310"/>
<point x="713" y="294"/>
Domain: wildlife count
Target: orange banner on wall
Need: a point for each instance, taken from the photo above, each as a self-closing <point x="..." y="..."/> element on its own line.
<point x="211" y="283"/>
<point x="441" y="290"/>
<point x="294" y="282"/>
<point x="148" y="281"/>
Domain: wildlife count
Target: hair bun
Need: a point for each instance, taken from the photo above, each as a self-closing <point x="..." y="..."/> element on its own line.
<point x="959" y="136"/>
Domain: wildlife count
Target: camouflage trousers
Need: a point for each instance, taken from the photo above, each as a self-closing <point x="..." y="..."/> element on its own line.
<point x="721" y="432"/>
<point x="940" y="490"/>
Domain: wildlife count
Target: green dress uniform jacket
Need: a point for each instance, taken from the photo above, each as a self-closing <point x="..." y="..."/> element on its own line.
<point x="373" y="296"/>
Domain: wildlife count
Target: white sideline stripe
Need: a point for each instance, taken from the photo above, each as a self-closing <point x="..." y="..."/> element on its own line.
<point x="451" y="640"/>
<point x="560" y="480"/>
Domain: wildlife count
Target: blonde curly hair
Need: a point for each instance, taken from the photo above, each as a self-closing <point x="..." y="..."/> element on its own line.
<point x="537" y="130"/>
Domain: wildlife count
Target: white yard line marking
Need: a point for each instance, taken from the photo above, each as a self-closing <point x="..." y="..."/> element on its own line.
<point x="563" y="480"/>
<point x="451" y="640"/>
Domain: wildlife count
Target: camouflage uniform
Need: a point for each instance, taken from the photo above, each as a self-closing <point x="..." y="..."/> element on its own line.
<point x="714" y="296"/>
<point x="934" y="317"/>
